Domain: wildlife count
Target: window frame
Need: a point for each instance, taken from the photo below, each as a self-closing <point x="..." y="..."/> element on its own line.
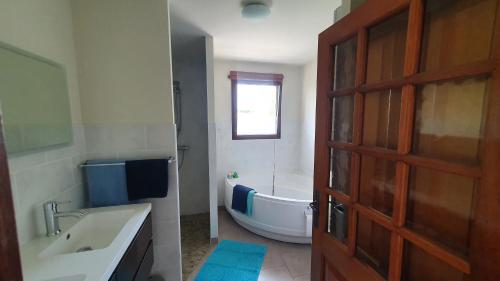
<point x="254" y="78"/>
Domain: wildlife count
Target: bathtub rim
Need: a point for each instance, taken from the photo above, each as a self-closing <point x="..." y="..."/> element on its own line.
<point x="231" y="183"/>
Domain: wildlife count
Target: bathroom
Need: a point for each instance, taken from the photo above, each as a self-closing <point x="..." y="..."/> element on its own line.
<point x="249" y="140"/>
<point x="120" y="113"/>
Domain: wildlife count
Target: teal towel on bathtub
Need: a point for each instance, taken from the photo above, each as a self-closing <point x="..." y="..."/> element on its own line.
<point x="250" y="196"/>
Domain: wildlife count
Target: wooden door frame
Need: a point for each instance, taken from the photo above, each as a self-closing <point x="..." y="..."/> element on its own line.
<point x="485" y="257"/>
<point x="10" y="261"/>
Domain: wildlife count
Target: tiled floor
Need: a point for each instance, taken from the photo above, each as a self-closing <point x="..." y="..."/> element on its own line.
<point x="195" y="241"/>
<point x="283" y="262"/>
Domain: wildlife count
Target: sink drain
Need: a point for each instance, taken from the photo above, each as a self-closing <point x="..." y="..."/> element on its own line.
<point x="84" y="249"/>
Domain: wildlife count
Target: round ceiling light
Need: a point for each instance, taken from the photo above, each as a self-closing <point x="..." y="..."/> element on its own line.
<point x="255" y="11"/>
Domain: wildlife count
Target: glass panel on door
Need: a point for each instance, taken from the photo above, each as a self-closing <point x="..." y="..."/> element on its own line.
<point x="338" y="215"/>
<point x="441" y="131"/>
<point x="381" y="118"/>
<point x="373" y="243"/>
<point x="436" y="197"/>
<point x="345" y="64"/>
<point x="340" y="170"/>
<point x="386" y="49"/>
<point x="342" y="118"/>
<point x="377" y="184"/>
<point x="456" y="32"/>
<point x="419" y="265"/>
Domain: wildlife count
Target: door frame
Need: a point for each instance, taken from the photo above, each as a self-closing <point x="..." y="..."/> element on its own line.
<point x="485" y="250"/>
<point x="10" y="260"/>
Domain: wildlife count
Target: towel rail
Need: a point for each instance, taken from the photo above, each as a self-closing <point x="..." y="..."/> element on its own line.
<point x="170" y="159"/>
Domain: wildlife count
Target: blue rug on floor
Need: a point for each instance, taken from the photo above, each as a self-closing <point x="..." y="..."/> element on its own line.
<point x="233" y="261"/>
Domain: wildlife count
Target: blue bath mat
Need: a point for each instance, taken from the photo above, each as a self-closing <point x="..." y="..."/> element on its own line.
<point x="233" y="261"/>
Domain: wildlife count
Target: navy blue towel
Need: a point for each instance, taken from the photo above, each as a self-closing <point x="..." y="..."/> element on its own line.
<point x="240" y="194"/>
<point x="147" y="178"/>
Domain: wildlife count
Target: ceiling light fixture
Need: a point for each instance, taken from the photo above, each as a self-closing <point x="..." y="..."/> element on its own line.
<point x="255" y="11"/>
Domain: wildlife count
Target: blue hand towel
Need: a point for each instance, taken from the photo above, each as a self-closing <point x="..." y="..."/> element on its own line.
<point x="250" y="197"/>
<point x="240" y="197"/>
<point x="106" y="184"/>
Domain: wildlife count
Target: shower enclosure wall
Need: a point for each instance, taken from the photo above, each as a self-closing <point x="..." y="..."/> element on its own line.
<point x="181" y="149"/>
<point x="190" y="106"/>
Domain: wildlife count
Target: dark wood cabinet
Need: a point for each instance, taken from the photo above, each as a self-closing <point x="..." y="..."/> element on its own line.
<point x="137" y="261"/>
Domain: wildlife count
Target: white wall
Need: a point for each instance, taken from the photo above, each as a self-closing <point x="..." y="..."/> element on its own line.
<point x="308" y="116"/>
<point x="257" y="156"/>
<point x="123" y="49"/>
<point x="346" y="7"/>
<point x="189" y="68"/>
<point x="45" y="29"/>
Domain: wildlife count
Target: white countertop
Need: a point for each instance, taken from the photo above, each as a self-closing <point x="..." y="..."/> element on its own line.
<point x="96" y="265"/>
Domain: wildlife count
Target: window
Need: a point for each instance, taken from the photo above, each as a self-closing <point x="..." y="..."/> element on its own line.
<point x="256" y="105"/>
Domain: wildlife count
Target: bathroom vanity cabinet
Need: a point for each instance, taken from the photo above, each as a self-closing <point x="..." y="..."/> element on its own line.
<point x="137" y="261"/>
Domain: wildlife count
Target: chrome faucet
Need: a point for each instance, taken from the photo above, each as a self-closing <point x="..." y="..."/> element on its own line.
<point x="52" y="215"/>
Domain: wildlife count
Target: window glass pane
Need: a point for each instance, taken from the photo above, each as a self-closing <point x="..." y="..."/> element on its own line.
<point x="441" y="128"/>
<point x="337" y="224"/>
<point x="436" y="197"/>
<point x="381" y="118"/>
<point x="456" y="32"/>
<point x="345" y="64"/>
<point x="373" y="244"/>
<point x="378" y="178"/>
<point x="257" y="109"/>
<point x="386" y="49"/>
<point x="342" y="117"/>
<point x="419" y="265"/>
<point x="340" y="170"/>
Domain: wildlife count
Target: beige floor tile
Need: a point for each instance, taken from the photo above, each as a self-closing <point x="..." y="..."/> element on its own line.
<point x="273" y="257"/>
<point x="275" y="274"/>
<point x="283" y="261"/>
<point x="298" y="260"/>
<point x="303" y="278"/>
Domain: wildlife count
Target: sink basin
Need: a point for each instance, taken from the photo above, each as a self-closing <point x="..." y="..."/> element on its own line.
<point x="88" y="249"/>
<point x="95" y="231"/>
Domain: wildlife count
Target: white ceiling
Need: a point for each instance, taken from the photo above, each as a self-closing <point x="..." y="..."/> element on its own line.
<point x="288" y="35"/>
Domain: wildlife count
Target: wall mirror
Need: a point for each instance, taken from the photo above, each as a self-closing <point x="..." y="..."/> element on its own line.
<point x="34" y="101"/>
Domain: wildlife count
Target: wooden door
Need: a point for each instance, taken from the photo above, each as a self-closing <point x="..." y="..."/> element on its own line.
<point x="407" y="153"/>
<point x="10" y="261"/>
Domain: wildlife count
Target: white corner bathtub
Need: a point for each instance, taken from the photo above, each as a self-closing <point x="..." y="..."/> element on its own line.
<point x="284" y="216"/>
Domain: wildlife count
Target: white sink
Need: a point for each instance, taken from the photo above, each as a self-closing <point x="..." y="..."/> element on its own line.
<point x="92" y="232"/>
<point x="107" y="231"/>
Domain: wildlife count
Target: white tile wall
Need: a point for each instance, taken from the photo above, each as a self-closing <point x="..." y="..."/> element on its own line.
<point x="257" y="156"/>
<point x="308" y="116"/>
<point x="40" y="176"/>
<point x="44" y="28"/>
<point x="119" y="141"/>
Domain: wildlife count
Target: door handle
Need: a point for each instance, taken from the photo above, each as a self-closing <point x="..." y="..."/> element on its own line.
<point x="314" y="205"/>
